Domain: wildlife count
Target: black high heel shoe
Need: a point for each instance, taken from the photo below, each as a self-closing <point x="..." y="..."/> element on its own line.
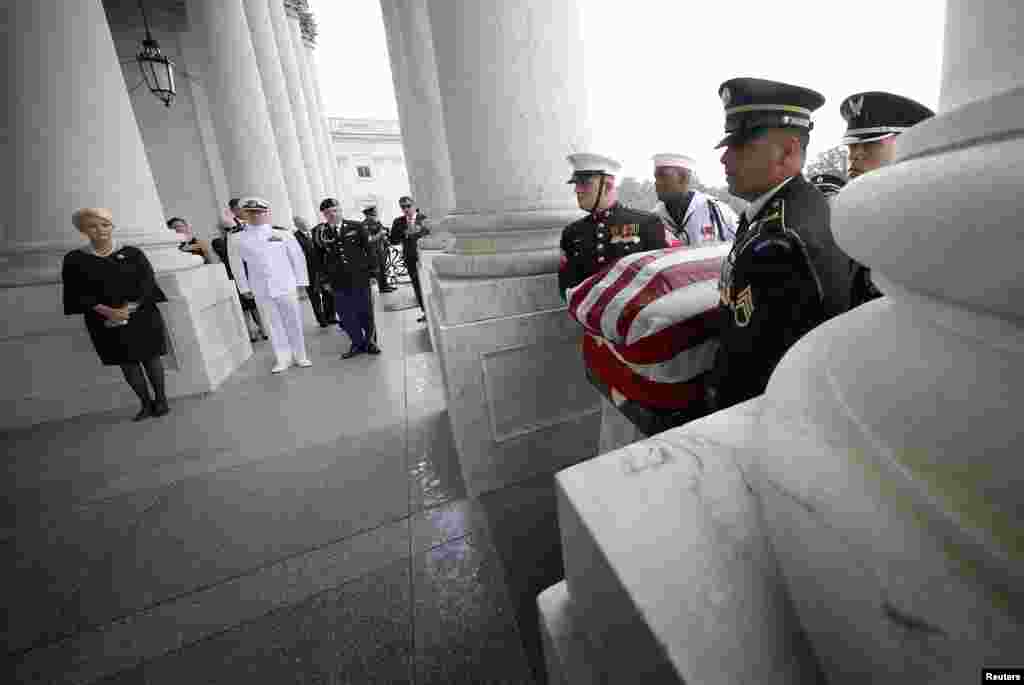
<point x="160" y="408"/>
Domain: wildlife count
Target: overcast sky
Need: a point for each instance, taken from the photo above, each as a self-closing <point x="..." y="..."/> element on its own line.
<point x="676" y="54"/>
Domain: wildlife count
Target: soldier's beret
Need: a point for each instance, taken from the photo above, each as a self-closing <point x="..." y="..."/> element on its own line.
<point x="876" y="115"/>
<point x="328" y="203"/>
<point x="753" y="105"/>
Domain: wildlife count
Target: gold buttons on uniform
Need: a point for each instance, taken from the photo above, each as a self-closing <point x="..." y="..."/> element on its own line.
<point x="600" y="247"/>
<point x="600" y="258"/>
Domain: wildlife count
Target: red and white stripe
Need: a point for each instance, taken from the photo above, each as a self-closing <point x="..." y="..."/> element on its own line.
<point x="650" y="323"/>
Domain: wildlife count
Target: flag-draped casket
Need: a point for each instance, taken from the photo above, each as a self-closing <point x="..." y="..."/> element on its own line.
<point x="650" y="335"/>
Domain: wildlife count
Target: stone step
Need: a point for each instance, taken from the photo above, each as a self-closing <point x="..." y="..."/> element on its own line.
<point x="667" y="566"/>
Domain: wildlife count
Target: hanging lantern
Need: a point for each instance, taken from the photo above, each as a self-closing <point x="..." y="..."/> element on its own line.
<point x="157" y="69"/>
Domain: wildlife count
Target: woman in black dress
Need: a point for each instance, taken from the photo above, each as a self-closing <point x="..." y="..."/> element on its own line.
<point x="115" y="288"/>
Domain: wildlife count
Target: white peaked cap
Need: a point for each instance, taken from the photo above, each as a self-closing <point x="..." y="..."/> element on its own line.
<point x="593" y="163"/>
<point x="674" y="160"/>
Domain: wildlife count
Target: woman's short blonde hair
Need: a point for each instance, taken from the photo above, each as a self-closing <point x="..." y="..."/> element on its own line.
<point x="79" y="214"/>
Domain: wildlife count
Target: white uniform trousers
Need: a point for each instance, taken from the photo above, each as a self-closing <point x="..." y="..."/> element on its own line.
<point x="616" y="430"/>
<point x="283" y="321"/>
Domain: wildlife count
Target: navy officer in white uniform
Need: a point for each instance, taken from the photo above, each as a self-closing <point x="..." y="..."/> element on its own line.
<point x="274" y="269"/>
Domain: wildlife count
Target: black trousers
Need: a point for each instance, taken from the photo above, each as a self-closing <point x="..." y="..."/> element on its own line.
<point x="382" y="262"/>
<point x="322" y="303"/>
<point x="414" y="276"/>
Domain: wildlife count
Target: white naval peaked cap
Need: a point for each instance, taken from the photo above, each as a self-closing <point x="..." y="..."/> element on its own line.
<point x="674" y="160"/>
<point x="588" y="163"/>
<point x="253" y="203"/>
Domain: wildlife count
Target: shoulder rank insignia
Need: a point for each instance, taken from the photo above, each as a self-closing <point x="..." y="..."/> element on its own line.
<point x="743" y="307"/>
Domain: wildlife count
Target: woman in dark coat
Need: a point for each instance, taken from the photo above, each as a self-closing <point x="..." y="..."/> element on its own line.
<point x="115" y="288"/>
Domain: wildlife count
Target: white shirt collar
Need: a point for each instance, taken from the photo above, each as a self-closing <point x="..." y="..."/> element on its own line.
<point x="757" y="205"/>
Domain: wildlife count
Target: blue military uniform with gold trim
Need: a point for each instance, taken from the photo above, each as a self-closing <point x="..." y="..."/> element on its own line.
<point x="770" y="294"/>
<point x="600" y="238"/>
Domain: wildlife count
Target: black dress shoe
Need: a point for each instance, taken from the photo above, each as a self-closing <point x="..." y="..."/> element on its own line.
<point x="352" y="353"/>
<point x="160" y="408"/>
<point x="324" y="324"/>
<point x="264" y="336"/>
<point x="145" y="412"/>
<point x="422" y="319"/>
<point x="373" y="349"/>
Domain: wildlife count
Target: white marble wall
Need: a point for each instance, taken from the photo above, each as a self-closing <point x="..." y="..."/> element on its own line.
<point x="669" y="573"/>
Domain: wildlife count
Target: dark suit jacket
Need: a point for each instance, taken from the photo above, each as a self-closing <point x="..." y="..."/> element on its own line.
<point x="400" y="236"/>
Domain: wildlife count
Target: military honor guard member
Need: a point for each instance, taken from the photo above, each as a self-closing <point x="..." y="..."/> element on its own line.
<point x="693" y="217"/>
<point x="873" y="120"/>
<point x="347" y="255"/>
<point x="267" y="261"/>
<point x="784" y="274"/>
<point x="610" y="230"/>
<point x="379" y="243"/>
<point x="829" y="185"/>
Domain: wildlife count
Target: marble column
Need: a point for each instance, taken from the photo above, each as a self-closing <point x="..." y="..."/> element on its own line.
<point x="890" y="443"/>
<point x="411" y="46"/>
<point x="330" y="164"/>
<point x="269" y="60"/>
<point x="60" y="159"/>
<point x="511" y="91"/>
<point x="312" y="107"/>
<point x="397" y="53"/>
<point x="297" y="96"/>
<point x="239" y="102"/>
<point x="511" y="86"/>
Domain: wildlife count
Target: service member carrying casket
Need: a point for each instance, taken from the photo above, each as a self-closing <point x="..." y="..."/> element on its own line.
<point x="610" y="230"/>
<point x="592" y="245"/>
<point x="785" y="273"/>
<point x="873" y="120"/>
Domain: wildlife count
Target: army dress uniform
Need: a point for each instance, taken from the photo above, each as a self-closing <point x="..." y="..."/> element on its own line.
<point x="870" y="117"/>
<point x="784" y="274"/>
<point x="346" y="253"/>
<point x="379" y="244"/>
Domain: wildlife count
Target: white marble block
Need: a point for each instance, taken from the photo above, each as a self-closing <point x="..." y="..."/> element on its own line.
<point x="518" y="398"/>
<point x="51" y="368"/>
<point x="667" y="566"/>
<point x="567" y="656"/>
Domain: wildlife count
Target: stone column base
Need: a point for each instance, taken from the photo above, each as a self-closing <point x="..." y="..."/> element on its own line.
<point x="52" y="370"/>
<point x="567" y="657"/>
<point x="670" y="572"/>
<point x="518" y="398"/>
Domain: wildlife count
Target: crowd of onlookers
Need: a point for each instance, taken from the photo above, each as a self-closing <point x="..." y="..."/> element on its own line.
<point x="114" y="287"/>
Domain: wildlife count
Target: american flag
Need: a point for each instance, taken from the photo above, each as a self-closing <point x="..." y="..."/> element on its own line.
<point x="649" y="323"/>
